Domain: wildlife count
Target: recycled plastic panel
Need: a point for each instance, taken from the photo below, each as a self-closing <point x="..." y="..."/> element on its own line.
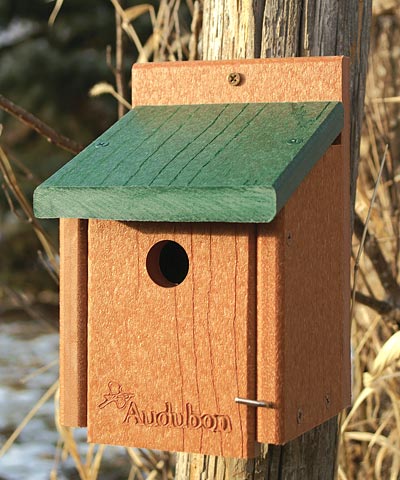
<point x="194" y="163"/>
<point x="167" y="356"/>
<point x="73" y="322"/>
<point x="301" y="79"/>
<point x="303" y="275"/>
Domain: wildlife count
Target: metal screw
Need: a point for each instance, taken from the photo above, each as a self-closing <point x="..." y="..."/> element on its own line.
<point x="299" y="416"/>
<point x="234" y="79"/>
<point x="254" y="403"/>
<point x="295" y="141"/>
<point x="327" y="400"/>
<point x="102" y="144"/>
<point x="289" y="239"/>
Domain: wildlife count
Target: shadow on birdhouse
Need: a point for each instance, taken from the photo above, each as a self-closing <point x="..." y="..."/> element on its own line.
<point x="205" y="246"/>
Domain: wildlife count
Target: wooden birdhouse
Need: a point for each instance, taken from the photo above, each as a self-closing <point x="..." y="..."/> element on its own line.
<point x="205" y="246"/>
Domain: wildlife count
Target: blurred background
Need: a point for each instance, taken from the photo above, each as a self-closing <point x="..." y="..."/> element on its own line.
<point x="59" y="62"/>
<point x="48" y="65"/>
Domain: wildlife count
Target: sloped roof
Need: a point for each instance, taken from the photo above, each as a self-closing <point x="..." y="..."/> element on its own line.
<point x="195" y="163"/>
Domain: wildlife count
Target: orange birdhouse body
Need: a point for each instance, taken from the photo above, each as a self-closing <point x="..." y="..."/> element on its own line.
<point x="190" y="348"/>
<point x="214" y="336"/>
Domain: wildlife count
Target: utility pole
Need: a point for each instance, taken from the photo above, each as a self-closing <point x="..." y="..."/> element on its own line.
<point x="287" y="28"/>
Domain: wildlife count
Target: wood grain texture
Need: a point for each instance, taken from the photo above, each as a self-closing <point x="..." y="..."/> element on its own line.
<point x="303" y="458"/>
<point x="303" y="295"/>
<point x="186" y="163"/>
<point x="190" y="348"/>
<point x="315" y="28"/>
<point x="315" y="79"/>
<point x="73" y="322"/>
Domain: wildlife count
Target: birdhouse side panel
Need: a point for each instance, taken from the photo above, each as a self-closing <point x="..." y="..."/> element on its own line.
<point x="167" y="361"/>
<point x="73" y="322"/>
<point x="317" y="299"/>
<point x="313" y="316"/>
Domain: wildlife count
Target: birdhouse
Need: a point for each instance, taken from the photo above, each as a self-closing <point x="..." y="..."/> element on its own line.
<point x="205" y="246"/>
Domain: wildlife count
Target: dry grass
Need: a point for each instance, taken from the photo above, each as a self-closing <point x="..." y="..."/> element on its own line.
<point x="167" y="42"/>
<point x="370" y="434"/>
<point x="370" y="442"/>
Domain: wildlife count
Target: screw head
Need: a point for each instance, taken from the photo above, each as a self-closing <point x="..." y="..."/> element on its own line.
<point x="327" y="399"/>
<point x="294" y="141"/>
<point x="299" y="416"/>
<point x="234" y="79"/>
<point x="289" y="238"/>
<point x="102" y="144"/>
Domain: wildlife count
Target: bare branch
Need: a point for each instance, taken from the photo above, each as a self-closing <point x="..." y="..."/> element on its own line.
<point x="197" y="22"/>
<point x="365" y="231"/>
<point x="381" y="266"/>
<point x="119" y="60"/>
<point x="380" y="306"/>
<point x="40" y="127"/>
<point x="55" y="12"/>
<point x="12" y="184"/>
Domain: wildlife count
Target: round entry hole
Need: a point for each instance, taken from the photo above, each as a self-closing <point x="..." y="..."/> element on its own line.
<point x="167" y="263"/>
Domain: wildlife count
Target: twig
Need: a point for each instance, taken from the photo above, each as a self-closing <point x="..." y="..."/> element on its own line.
<point x="364" y="234"/>
<point x="40" y="127"/>
<point x="196" y="25"/>
<point x="103" y="87"/>
<point x="55" y="12"/>
<point x="21" y="302"/>
<point x="48" y="394"/>
<point x="10" y="202"/>
<point x="378" y="260"/>
<point x="177" y="30"/>
<point x="127" y="27"/>
<point x="119" y="60"/>
<point x="190" y="5"/>
<point x="39" y="371"/>
<point x="380" y="306"/>
<point x="28" y="174"/>
<point x="12" y="184"/>
<point x="48" y="267"/>
<point x="109" y="59"/>
<point x="364" y="278"/>
<point x="386" y="100"/>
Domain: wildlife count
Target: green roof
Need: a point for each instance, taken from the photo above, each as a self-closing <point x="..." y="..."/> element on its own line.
<point x="194" y="163"/>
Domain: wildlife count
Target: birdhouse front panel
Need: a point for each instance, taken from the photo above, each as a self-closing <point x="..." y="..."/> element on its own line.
<point x="172" y="336"/>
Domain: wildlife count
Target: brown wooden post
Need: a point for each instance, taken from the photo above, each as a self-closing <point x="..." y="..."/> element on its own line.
<point x="279" y="28"/>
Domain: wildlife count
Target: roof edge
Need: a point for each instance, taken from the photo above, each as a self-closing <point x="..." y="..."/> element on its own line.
<point x="309" y="155"/>
<point x="158" y="204"/>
